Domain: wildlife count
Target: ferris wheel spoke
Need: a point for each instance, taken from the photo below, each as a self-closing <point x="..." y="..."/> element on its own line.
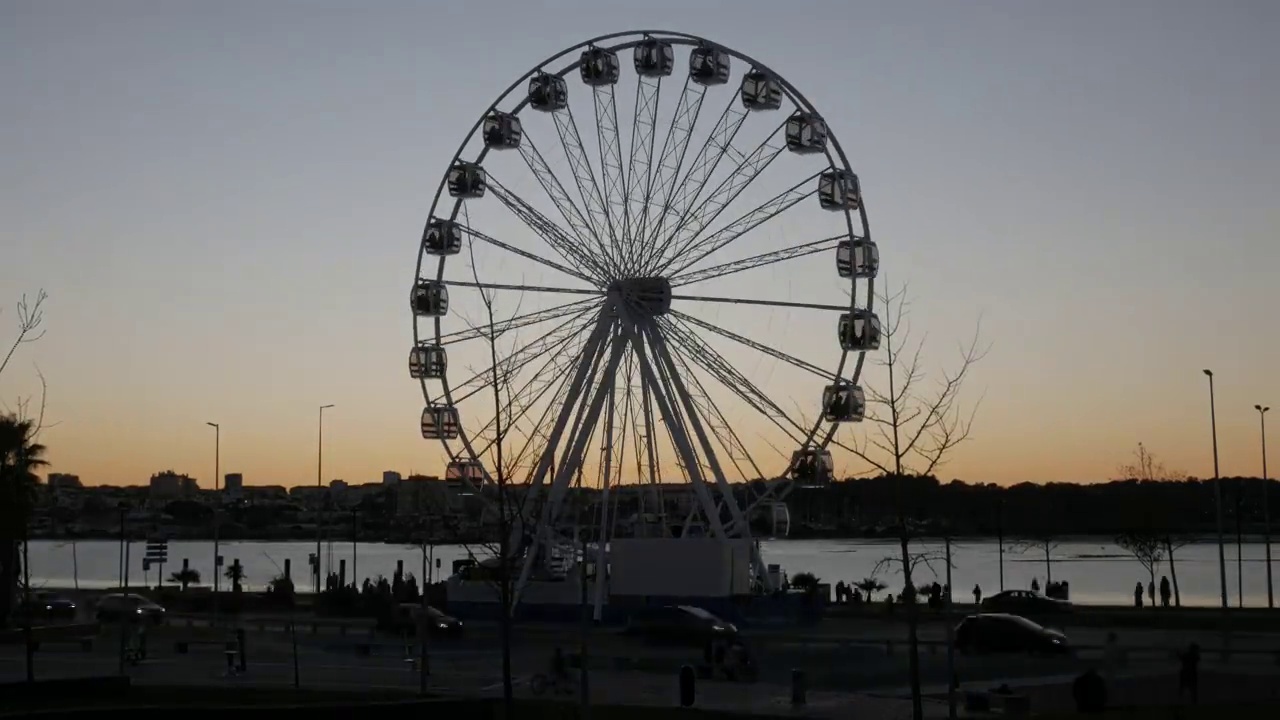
<point x="578" y="252"/>
<point x="765" y="303"/>
<point x="611" y="171"/>
<point x="757" y="346"/>
<point x="584" y="177"/>
<point x="572" y="214"/>
<point x="541" y="347"/>
<point x="748" y="221"/>
<point x="525" y="288"/>
<point x="671" y="161"/>
<point x="502" y="327"/>
<point x="525" y="254"/>
<point x="696" y="218"/>
<point x="718" y="144"/>
<point x="756" y="261"/>
<point x="639" y="176"/>
<point x="722" y="370"/>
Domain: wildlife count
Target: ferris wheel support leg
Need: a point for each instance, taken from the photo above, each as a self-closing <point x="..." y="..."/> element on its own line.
<point x="602" y="562"/>
<point x="726" y="493"/>
<point x="593" y="347"/>
<point x="678" y="436"/>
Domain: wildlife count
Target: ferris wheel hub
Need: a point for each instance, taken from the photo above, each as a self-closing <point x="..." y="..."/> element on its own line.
<point x="645" y="296"/>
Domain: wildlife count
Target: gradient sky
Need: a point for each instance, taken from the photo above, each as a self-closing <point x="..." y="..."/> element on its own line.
<point x="224" y="201"/>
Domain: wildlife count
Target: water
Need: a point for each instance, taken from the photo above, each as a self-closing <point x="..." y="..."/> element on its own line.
<point x="1099" y="572"/>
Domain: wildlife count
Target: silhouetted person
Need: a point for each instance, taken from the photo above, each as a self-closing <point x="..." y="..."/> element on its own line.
<point x="977" y="595"/>
<point x="559" y="668"/>
<point x="1189" y="672"/>
<point x="1151" y="592"/>
<point x="1137" y="595"/>
<point x="1035" y="585"/>
<point x="1090" y="692"/>
<point x="1165" y="590"/>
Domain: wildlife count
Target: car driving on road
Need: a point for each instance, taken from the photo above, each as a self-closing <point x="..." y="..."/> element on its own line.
<point x="116" y="607"/>
<point x="990" y="633"/>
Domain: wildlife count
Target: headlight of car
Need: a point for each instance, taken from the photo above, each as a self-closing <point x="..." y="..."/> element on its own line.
<point x="443" y="626"/>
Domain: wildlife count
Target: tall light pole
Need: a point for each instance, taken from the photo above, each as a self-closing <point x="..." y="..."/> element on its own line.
<point x="217" y="503"/>
<point x="319" y="484"/>
<point x="1266" y="502"/>
<point x="1217" y="492"/>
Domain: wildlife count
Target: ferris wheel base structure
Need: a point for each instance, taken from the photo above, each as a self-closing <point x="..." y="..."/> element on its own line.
<point x="648" y="374"/>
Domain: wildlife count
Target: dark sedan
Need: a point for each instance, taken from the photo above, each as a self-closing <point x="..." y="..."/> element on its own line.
<point x="990" y="633"/>
<point x="46" y="607"/>
<point x="121" y="607"/>
<point x="1024" y="602"/>
<point x="680" y="625"/>
<point x="404" y="618"/>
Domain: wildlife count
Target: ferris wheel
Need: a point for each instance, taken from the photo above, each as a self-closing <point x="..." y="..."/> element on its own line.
<point x="653" y="281"/>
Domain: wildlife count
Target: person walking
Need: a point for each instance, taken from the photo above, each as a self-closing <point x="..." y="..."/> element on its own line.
<point x="1137" y="595"/>
<point x="1151" y="592"/>
<point x="977" y="595"/>
<point x="1165" y="591"/>
<point x="1189" y="673"/>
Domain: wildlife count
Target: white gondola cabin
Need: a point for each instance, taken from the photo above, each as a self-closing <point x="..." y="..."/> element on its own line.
<point x="429" y="298"/>
<point x="428" y="362"/>
<point x="654" y="58"/>
<point x="548" y="93"/>
<point x="858" y="258"/>
<point x="502" y="131"/>
<point x="599" y="66"/>
<point x="806" y="133"/>
<point x="812" y="468"/>
<point x="839" y="190"/>
<point x="709" y="66"/>
<point x="860" y="331"/>
<point x="760" y="91"/>
<point x="442" y="237"/>
<point x="440" y="422"/>
<point x="843" y="402"/>
<point x="470" y="471"/>
<point x="467" y="180"/>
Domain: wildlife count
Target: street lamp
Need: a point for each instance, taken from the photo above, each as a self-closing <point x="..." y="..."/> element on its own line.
<point x="217" y="502"/>
<point x="319" y="484"/>
<point x="1266" y="502"/>
<point x="1217" y="492"/>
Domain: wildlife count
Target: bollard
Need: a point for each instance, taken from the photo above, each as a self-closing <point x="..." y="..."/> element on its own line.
<point x="288" y="569"/>
<point x="240" y="643"/>
<point x="687" y="682"/>
<point x="797" y="687"/>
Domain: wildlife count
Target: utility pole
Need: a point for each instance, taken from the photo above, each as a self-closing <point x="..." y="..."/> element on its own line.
<point x="1266" y="503"/>
<point x="319" y="484"/>
<point x="217" y="505"/>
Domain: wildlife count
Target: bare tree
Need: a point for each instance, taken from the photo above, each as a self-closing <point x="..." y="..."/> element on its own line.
<point x="1147" y="468"/>
<point x="1043" y="543"/>
<point x="1146" y="548"/>
<point x="30" y="320"/>
<point x="917" y="424"/>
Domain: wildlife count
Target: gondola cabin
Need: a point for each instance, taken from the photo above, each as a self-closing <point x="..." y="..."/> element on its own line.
<point x="440" y="422"/>
<point x="858" y="258"/>
<point x="843" y="402"/>
<point x="467" y="180"/>
<point x="654" y="58"/>
<point x="806" y="133"/>
<point x="709" y="66"/>
<point x="502" y="131"/>
<point x="860" y="331"/>
<point x="548" y="93"/>
<point x="442" y="237"/>
<point x="428" y="362"/>
<point x="468" y="471"/>
<point x="599" y="66"/>
<point x="429" y="298"/>
<point x="812" y="468"/>
<point x="760" y="91"/>
<point x="839" y="190"/>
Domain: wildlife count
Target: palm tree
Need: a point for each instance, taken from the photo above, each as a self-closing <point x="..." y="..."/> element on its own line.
<point x="185" y="576"/>
<point x="20" y="455"/>
<point x="235" y="573"/>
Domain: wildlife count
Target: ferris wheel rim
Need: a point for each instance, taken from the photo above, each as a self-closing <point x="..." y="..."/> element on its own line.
<point x="834" y="152"/>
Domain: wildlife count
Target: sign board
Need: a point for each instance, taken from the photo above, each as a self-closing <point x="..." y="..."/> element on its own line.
<point x="146" y="564"/>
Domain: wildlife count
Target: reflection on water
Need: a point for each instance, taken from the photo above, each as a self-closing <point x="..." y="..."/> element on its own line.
<point x="1098" y="572"/>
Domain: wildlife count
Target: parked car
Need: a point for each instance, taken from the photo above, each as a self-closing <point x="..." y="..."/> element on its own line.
<point x="1004" y="633"/>
<point x="46" y="606"/>
<point x="1024" y="602"/>
<point x="403" y="620"/>
<point x="680" y="625"/>
<point x="118" y="606"/>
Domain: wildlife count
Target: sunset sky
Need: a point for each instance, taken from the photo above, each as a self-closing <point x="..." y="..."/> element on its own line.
<point x="224" y="202"/>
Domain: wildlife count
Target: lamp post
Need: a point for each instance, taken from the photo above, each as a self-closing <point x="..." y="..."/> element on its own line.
<point x="319" y="484"/>
<point x="217" y="503"/>
<point x="1217" y="493"/>
<point x="1266" y="502"/>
